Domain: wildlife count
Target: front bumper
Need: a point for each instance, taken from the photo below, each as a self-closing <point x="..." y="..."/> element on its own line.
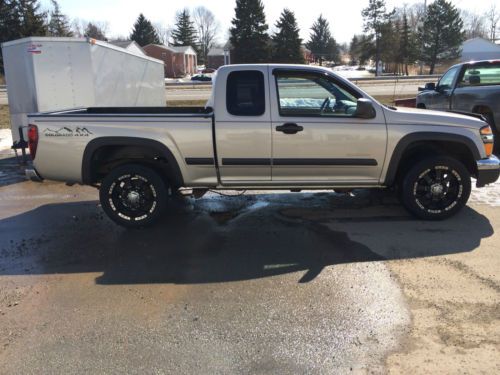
<point x="33" y="175"/>
<point x="488" y="171"/>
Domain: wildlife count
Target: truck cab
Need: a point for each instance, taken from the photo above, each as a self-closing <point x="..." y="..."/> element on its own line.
<point x="289" y="125"/>
<point x="472" y="87"/>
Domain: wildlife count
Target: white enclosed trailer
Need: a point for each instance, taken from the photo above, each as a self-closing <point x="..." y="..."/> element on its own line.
<point x="50" y="74"/>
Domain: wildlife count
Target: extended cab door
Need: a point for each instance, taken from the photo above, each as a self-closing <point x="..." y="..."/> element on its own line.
<point x="316" y="136"/>
<point x="243" y="125"/>
<point x="440" y="99"/>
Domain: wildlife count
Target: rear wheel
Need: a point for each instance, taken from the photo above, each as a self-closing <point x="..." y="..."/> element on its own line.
<point x="436" y="188"/>
<point x="133" y="196"/>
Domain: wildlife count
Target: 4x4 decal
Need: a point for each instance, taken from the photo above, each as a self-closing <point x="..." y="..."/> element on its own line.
<point x="67" y="132"/>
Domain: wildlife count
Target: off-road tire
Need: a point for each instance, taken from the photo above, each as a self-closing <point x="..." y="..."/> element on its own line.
<point x="133" y="196"/>
<point x="436" y="188"/>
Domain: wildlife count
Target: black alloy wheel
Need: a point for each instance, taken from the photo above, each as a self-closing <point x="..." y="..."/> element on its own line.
<point x="133" y="195"/>
<point x="436" y="188"/>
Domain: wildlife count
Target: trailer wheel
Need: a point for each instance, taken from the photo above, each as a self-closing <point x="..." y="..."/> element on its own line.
<point x="133" y="196"/>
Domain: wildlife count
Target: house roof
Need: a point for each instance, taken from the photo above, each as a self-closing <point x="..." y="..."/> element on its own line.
<point x="125" y="44"/>
<point x="188" y="50"/>
<point x="121" y="43"/>
<point x="184" y="49"/>
<point x="480" y="44"/>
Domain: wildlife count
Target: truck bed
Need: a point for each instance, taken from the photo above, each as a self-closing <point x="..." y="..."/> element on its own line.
<point x="140" y="111"/>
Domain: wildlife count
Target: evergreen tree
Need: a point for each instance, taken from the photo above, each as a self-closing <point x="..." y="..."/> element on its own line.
<point x="441" y="33"/>
<point x="361" y="49"/>
<point x="376" y="17"/>
<point x="143" y="32"/>
<point x="10" y="24"/>
<point x="408" y="44"/>
<point x="184" y="33"/>
<point x="58" y="24"/>
<point x="32" y="19"/>
<point x="287" y="45"/>
<point x="321" y="43"/>
<point x="249" y="37"/>
<point x="94" y="31"/>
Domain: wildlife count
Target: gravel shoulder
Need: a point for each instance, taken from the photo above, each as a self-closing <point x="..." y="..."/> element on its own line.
<point x="455" y="306"/>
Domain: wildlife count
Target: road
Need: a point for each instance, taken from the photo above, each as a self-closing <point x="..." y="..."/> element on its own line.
<point x="271" y="283"/>
<point x="401" y="88"/>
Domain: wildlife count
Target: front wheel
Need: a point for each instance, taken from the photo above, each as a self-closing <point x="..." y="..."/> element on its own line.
<point x="436" y="188"/>
<point x="133" y="196"/>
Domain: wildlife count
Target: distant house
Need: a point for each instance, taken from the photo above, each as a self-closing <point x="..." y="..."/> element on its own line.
<point x="218" y="57"/>
<point x="479" y="49"/>
<point x="179" y="61"/>
<point x="129" y="45"/>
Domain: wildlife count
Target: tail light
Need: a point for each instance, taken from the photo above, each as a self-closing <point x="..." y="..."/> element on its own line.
<point x="488" y="140"/>
<point x="32" y="140"/>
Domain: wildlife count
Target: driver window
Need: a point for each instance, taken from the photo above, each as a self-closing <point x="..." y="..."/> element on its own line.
<point x="313" y="95"/>
<point x="446" y="82"/>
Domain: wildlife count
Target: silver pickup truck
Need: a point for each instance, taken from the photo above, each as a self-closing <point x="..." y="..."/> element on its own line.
<point x="266" y="127"/>
<point x="468" y="87"/>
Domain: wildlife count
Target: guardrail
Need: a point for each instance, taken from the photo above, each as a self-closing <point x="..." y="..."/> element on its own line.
<point x="431" y="78"/>
<point x="354" y="80"/>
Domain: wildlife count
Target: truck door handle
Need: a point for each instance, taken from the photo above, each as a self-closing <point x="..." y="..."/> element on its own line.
<point x="289" y="128"/>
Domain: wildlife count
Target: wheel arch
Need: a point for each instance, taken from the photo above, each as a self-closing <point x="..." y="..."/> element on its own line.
<point x="436" y="142"/>
<point x="137" y="147"/>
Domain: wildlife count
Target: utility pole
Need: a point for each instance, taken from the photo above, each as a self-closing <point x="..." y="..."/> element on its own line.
<point x="422" y="46"/>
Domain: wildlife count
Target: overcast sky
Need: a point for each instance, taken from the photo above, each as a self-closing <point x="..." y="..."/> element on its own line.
<point x="344" y="16"/>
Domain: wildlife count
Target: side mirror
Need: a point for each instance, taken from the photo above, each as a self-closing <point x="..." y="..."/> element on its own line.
<point x="430" y="86"/>
<point x="365" y="109"/>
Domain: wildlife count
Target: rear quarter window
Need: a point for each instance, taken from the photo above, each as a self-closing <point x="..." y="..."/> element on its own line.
<point x="481" y="75"/>
<point x="245" y="93"/>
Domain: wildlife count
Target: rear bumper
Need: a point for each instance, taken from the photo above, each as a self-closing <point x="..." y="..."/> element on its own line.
<point x="488" y="171"/>
<point x="33" y="175"/>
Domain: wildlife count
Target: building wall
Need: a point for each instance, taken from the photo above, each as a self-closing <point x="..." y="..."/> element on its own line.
<point x="176" y="64"/>
<point x="161" y="54"/>
<point x="215" y="62"/>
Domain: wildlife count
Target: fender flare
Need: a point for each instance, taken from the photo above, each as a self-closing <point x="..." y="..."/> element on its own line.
<point x="409" y="139"/>
<point x="162" y="150"/>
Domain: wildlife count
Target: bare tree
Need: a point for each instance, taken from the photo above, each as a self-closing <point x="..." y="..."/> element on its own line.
<point x="415" y="14"/>
<point x="474" y="25"/>
<point x="164" y="32"/>
<point x="208" y="28"/>
<point x="493" y="18"/>
<point x="80" y="28"/>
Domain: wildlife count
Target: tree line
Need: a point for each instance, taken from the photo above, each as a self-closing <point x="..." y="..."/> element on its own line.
<point x="399" y="37"/>
<point x="407" y="35"/>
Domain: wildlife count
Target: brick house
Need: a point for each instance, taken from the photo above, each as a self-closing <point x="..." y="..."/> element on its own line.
<point x="218" y="57"/>
<point x="179" y="61"/>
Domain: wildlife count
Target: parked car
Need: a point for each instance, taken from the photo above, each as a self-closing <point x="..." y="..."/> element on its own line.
<point x="469" y="87"/>
<point x="287" y="127"/>
<point x="201" y="78"/>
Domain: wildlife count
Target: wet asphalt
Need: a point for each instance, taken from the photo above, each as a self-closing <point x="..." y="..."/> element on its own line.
<point x="252" y="284"/>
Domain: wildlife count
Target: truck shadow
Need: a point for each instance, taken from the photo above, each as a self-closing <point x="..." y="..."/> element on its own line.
<point x="219" y="239"/>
